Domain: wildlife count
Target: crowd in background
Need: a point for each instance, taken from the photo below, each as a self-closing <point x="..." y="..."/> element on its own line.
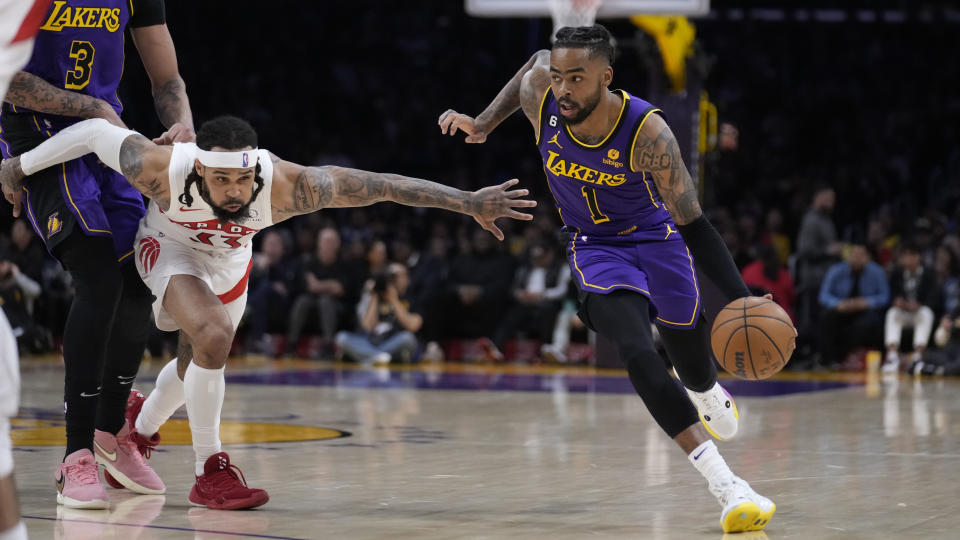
<point x="833" y="182"/>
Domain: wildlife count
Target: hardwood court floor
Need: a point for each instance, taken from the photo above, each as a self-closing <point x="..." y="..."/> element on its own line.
<point x="520" y="452"/>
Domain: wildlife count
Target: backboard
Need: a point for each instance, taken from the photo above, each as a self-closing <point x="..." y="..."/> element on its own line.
<point x="608" y="8"/>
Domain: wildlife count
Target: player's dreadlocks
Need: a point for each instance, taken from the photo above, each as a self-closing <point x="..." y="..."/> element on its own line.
<point x="229" y="133"/>
<point x="596" y="39"/>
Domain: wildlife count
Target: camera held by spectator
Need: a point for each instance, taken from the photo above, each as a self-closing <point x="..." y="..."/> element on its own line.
<point x="386" y="319"/>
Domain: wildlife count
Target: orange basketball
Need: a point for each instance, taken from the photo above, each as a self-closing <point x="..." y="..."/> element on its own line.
<point x="753" y="337"/>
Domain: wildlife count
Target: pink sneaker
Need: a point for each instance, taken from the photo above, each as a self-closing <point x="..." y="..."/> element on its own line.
<point x="78" y="482"/>
<point x="144" y="445"/>
<point x="120" y="456"/>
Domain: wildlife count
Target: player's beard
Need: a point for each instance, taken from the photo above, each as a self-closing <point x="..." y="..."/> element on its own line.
<point x="583" y="111"/>
<point x="237" y="216"/>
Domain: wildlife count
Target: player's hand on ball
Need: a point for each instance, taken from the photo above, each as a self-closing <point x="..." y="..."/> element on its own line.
<point x="177" y="133"/>
<point x="11" y="176"/>
<point x="451" y="121"/>
<point x="490" y="203"/>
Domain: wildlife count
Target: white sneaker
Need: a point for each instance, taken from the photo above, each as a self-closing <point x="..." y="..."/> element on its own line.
<point x="432" y="353"/>
<point x="891" y="366"/>
<point x="381" y="359"/>
<point x="717" y="411"/>
<point x="743" y="508"/>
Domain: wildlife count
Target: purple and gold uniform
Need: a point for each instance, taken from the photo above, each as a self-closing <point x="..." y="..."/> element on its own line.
<point x="79" y="48"/>
<point x="621" y="235"/>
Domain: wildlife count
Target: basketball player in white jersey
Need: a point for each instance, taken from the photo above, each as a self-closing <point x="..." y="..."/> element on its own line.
<point x="19" y="22"/>
<point x="193" y="250"/>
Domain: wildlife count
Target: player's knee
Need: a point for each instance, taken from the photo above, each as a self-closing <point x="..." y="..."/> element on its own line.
<point x="211" y="345"/>
<point x="133" y="317"/>
<point x="635" y="349"/>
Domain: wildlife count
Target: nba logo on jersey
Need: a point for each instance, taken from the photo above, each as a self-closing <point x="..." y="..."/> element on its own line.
<point x="246" y="160"/>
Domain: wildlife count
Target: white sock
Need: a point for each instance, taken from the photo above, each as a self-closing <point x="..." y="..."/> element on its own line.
<point x="165" y="399"/>
<point x="204" y="390"/>
<point x="707" y="459"/>
<point x="17" y="532"/>
<point x="893" y="356"/>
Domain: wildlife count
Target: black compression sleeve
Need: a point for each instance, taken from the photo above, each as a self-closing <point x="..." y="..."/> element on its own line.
<point x="712" y="257"/>
<point x="147" y="13"/>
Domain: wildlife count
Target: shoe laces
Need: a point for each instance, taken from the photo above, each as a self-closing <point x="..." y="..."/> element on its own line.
<point x="143" y="444"/>
<point x="735" y="490"/>
<point x="230" y="475"/>
<point x="85" y="471"/>
<point x="713" y="401"/>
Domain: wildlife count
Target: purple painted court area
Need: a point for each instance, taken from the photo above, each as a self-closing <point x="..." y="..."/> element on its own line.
<point x="435" y="380"/>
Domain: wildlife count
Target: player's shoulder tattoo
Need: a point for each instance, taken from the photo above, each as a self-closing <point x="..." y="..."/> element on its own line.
<point x="131" y="155"/>
<point x="133" y="152"/>
<point x="657" y="152"/>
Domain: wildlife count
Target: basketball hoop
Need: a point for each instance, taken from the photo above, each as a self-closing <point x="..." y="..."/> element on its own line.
<point x="573" y="13"/>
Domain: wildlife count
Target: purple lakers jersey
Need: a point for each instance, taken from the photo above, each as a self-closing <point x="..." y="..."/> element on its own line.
<point x="80" y="48"/>
<point x="596" y="190"/>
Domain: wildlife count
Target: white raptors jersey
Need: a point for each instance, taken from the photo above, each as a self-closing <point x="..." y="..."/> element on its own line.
<point x="19" y="22"/>
<point x="196" y="225"/>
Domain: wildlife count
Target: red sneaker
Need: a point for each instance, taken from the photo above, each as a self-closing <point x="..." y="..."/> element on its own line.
<point x="223" y="487"/>
<point x="144" y="445"/>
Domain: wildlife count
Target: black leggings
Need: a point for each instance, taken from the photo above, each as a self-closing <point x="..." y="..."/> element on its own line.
<point x="103" y="337"/>
<point x="623" y="317"/>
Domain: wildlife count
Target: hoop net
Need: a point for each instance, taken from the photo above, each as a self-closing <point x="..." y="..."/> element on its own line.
<point x="573" y="13"/>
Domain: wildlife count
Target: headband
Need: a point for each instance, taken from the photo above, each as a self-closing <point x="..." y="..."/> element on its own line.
<point x="242" y="159"/>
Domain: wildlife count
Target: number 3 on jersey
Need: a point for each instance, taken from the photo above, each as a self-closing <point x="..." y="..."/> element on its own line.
<point x="595" y="214"/>
<point x="79" y="77"/>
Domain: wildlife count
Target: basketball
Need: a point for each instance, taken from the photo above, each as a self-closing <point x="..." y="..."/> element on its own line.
<point x="753" y="338"/>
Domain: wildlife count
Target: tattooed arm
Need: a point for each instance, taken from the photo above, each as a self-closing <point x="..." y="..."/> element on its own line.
<point x="524" y="90"/>
<point x="656" y="151"/>
<point x="31" y="92"/>
<point x="143" y="163"/>
<point x="300" y="190"/>
<point x="169" y="91"/>
<point x="146" y="166"/>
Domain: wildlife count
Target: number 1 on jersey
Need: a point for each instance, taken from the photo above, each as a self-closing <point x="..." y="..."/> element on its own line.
<point x="79" y="77"/>
<point x="595" y="214"/>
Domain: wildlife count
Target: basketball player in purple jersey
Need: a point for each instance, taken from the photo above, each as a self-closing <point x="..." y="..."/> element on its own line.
<point x="636" y="227"/>
<point x="87" y="215"/>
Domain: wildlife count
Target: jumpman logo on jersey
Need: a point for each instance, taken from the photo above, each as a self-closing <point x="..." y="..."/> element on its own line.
<point x="669" y="232"/>
<point x="554" y="139"/>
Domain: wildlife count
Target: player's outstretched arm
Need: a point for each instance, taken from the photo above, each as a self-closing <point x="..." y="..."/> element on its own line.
<point x="656" y="151"/>
<point x="143" y="163"/>
<point x="300" y="190"/>
<point x="31" y="92"/>
<point x="524" y="90"/>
